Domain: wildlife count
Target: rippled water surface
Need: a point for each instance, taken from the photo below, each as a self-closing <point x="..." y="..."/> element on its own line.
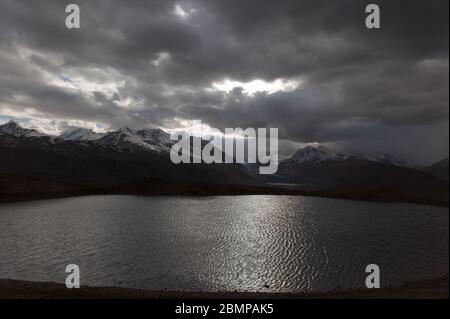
<point x="276" y="243"/>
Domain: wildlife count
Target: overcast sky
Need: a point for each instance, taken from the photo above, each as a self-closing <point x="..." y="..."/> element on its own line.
<point x="310" y="68"/>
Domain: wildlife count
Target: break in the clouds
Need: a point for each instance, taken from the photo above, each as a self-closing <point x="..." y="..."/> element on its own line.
<point x="310" y="68"/>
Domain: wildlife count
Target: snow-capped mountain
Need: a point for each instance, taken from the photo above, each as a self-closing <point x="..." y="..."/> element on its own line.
<point x="80" y="134"/>
<point x="311" y="154"/>
<point x="148" y="139"/>
<point x="388" y="159"/>
<point x="155" y="140"/>
<point x="13" y="128"/>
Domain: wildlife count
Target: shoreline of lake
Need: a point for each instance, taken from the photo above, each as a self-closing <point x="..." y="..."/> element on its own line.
<point x="280" y="192"/>
<point x="17" y="289"/>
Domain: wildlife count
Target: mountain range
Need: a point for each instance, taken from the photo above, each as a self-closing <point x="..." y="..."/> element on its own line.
<point x="320" y="153"/>
<point x="127" y="160"/>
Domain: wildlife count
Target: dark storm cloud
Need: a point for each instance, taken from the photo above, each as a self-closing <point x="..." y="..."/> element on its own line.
<point x="367" y="89"/>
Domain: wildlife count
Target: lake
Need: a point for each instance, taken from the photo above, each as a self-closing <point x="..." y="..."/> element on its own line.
<point x="256" y="243"/>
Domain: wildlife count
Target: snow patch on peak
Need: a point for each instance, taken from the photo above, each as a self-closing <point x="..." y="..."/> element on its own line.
<point x="12" y="127"/>
<point x="151" y="135"/>
<point x="313" y="154"/>
<point x="80" y="134"/>
<point x="12" y="122"/>
<point x="387" y="159"/>
<point x="127" y="130"/>
<point x="155" y="140"/>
